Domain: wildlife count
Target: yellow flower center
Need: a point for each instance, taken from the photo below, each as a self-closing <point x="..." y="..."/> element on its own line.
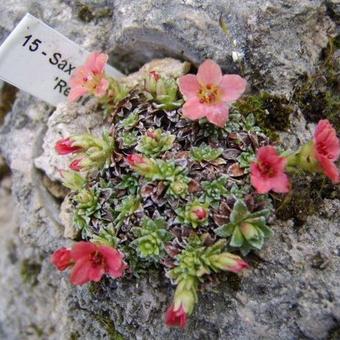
<point x="92" y="81"/>
<point x="209" y="94"/>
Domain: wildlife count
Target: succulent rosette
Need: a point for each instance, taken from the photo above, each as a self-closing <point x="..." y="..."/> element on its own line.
<point x="179" y="181"/>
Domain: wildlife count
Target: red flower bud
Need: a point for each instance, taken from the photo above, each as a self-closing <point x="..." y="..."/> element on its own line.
<point x="64" y="147"/>
<point x="175" y="318"/>
<point x="135" y="159"/>
<point x="75" y="165"/>
<point x="151" y="134"/>
<point x="201" y="213"/>
<point x="62" y="258"/>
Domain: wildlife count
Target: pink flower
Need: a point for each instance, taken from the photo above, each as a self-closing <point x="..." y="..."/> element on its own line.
<point x="62" y="258"/>
<point x="229" y="262"/>
<point x="89" y="78"/>
<point x="65" y="146"/>
<point x="267" y="172"/>
<point x="75" y="165"/>
<point x="135" y="160"/>
<point x="327" y="149"/>
<point x="209" y="93"/>
<point x="93" y="261"/>
<point x="176" y="317"/>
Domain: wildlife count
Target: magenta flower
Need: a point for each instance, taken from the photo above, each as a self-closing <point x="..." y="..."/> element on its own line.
<point x="89" y="78"/>
<point x="176" y="318"/>
<point x="65" y="146"/>
<point x="62" y="258"/>
<point x="209" y="93"/>
<point x="267" y="173"/>
<point x="327" y="149"/>
<point x="93" y="261"/>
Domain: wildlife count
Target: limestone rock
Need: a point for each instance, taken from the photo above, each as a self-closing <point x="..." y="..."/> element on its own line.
<point x="292" y="291"/>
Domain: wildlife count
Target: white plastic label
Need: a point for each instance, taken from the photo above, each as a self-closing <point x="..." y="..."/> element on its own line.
<point x="39" y="60"/>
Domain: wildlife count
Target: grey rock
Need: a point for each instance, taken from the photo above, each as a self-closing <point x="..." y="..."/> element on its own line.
<point x="292" y="291"/>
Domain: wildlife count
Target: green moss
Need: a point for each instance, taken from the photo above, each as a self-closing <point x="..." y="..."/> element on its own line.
<point x="36" y="330"/>
<point x="7" y="97"/>
<point x="87" y="14"/>
<point x="305" y="198"/>
<point x="106" y="322"/>
<point x="334" y="334"/>
<point x="234" y="281"/>
<point x="74" y="336"/>
<point x="94" y="288"/>
<point x="318" y="96"/>
<point x="271" y="112"/>
<point x="29" y="272"/>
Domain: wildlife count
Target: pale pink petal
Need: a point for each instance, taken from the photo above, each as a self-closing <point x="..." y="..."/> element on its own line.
<point x="76" y="93"/>
<point x="100" y="63"/>
<point x="91" y="60"/>
<point x="217" y="114"/>
<point x="193" y="109"/>
<point x="232" y="86"/>
<point x="330" y="169"/>
<point x="209" y="73"/>
<point x="82" y="249"/>
<point x="80" y="272"/>
<point x="102" y="87"/>
<point x="280" y="183"/>
<point x="189" y="86"/>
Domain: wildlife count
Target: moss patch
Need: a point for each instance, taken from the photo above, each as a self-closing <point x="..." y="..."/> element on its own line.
<point x="271" y="112"/>
<point x="7" y="97"/>
<point x="305" y="198"/>
<point x="29" y="272"/>
<point x="106" y="322"/>
<point x="87" y="13"/>
<point x="318" y="97"/>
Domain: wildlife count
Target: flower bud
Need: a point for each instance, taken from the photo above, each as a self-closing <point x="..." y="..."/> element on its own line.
<point x="66" y="146"/>
<point x="229" y="262"/>
<point x="76" y="165"/>
<point x="73" y="180"/>
<point x="142" y="165"/>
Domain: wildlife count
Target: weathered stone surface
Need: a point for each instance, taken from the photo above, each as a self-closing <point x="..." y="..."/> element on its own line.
<point x="291" y="292"/>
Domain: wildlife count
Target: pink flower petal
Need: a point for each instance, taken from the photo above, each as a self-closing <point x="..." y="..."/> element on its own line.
<point x="99" y="63"/>
<point x="80" y="272"/>
<point x="232" y="86"/>
<point x="189" y="86"/>
<point x="217" y="114"/>
<point x="280" y="183"/>
<point x="76" y="93"/>
<point x="330" y="169"/>
<point x="102" y="87"/>
<point x="209" y="73"/>
<point x="112" y="257"/>
<point x="95" y="273"/>
<point x="82" y="249"/>
<point x="193" y="109"/>
<point x="261" y="184"/>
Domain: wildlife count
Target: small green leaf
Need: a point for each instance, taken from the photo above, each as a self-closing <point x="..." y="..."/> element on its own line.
<point x="237" y="238"/>
<point x="240" y="211"/>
